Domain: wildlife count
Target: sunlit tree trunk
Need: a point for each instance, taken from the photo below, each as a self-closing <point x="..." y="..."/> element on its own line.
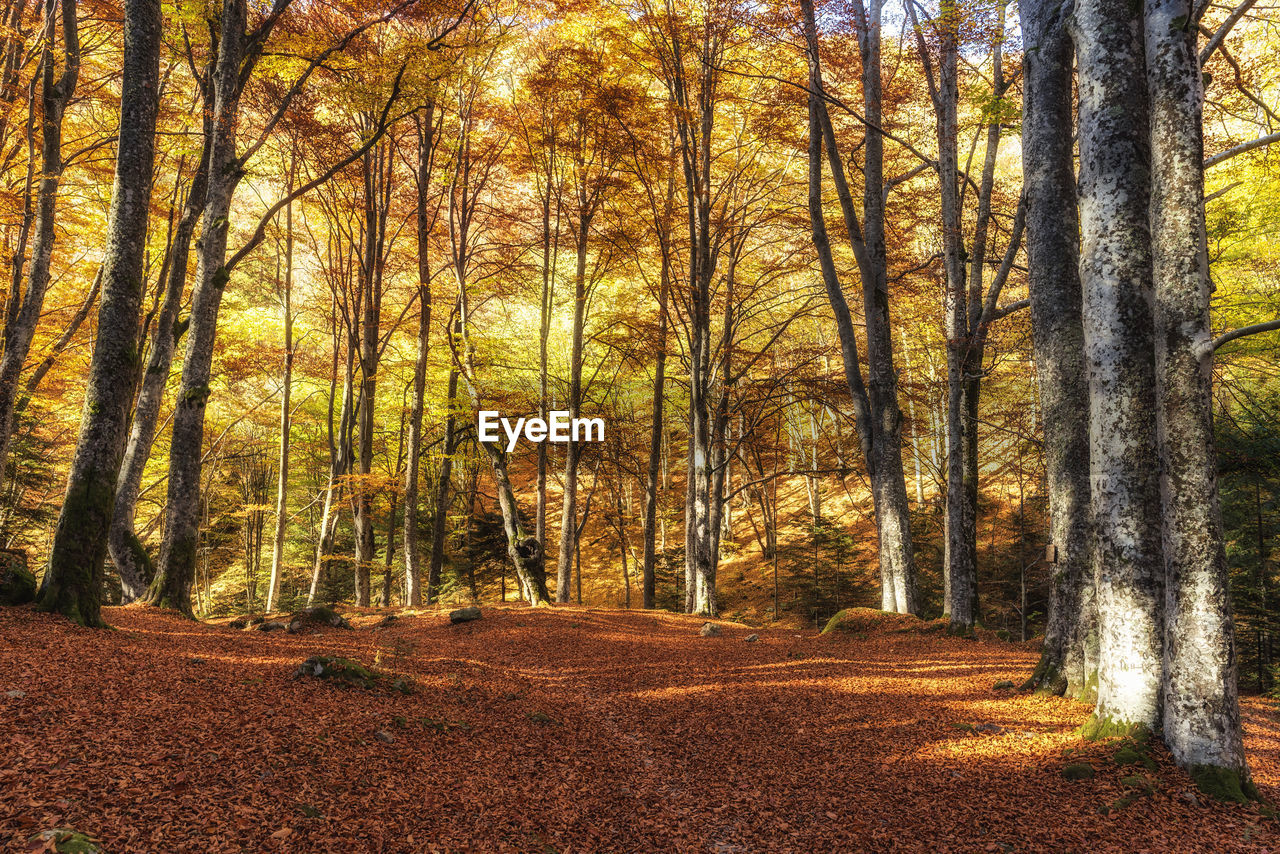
<point x="286" y="402"/>
<point x="877" y="415"/>
<point x="175" y="574"/>
<point x="73" y="584"/>
<point x="573" y="450"/>
<point x="127" y="552"/>
<point x="440" y="507"/>
<point x="1069" y="659"/>
<point x="1201" y="724"/>
<point x="427" y="130"/>
<point x="56" y="91"/>
<point x="1115" y="274"/>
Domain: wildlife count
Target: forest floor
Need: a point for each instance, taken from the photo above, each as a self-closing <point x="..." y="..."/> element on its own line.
<point x="566" y="729"/>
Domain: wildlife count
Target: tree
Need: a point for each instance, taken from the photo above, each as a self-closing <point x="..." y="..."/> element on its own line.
<point x="1201" y="714"/>
<point x="1115" y="274"/>
<point x="878" y="416"/>
<point x="23" y="311"/>
<point x="1068" y="663"/>
<point x="73" y="584"/>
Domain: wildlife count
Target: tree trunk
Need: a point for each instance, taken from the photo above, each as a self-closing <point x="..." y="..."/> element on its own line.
<point x="412" y="559"/>
<point x="171" y="587"/>
<point x="1201" y="724"/>
<point x="127" y="552"/>
<point x="877" y="416"/>
<point x="73" y="584"/>
<point x="1069" y="658"/>
<point x="440" y="511"/>
<point x="649" y="569"/>
<point x="1115" y="273"/>
<point x="286" y="401"/>
<point x="573" y="450"/>
<point x="23" y="315"/>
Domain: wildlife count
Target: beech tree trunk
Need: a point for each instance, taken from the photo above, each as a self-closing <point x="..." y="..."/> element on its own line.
<point x="1069" y="659"/>
<point x="175" y="574"/>
<point x="73" y="584"/>
<point x="573" y="450"/>
<point x="127" y="552"/>
<point x="440" y="508"/>
<point x="24" y="310"/>
<point x="1201" y="723"/>
<point x="427" y="130"/>
<point x="1115" y="274"/>
<point x="877" y="415"/>
<point x="286" y="401"/>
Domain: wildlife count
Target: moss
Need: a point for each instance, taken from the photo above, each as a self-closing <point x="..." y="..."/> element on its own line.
<point x="1144" y="785"/>
<point x="1223" y="784"/>
<point x="1047" y="679"/>
<point x="351" y="673"/>
<point x="1077" y="771"/>
<point x="221" y="276"/>
<point x="65" y="841"/>
<point x="17" y="582"/>
<point x="1003" y="685"/>
<point x="1101" y="729"/>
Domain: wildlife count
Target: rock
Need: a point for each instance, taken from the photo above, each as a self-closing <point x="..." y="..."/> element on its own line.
<point x="17" y="582"/>
<point x="238" y="623"/>
<point x="385" y="621"/>
<point x="1190" y="797"/>
<point x="251" y="623"/>
<point x="15" y="694"/>
<point x="709" y="630"/>
<point x="272" y="626"/>
<point x="1004" y="685"/>
<point x="320" y="615"/>
<point x="64" y="840"/>
<point x="993" y="729"/>
<point x="465" y="615"/>
<point x="752" y="638"/>
<point x="385" y="737"/>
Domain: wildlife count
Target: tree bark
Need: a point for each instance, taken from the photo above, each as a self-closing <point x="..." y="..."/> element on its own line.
<point x="1201" y="723"/>
<point x="24" y="311"/>
<point x="1069" y="658"/>
<point x="73" y="584"/>
<point x="412" y="558"/>
<point x="573" y="450"/>
<point x="1115" y="274"/>
<point x="127" y="552"/>
<point x="877" y="415"/>
<point x="286" y="401"/>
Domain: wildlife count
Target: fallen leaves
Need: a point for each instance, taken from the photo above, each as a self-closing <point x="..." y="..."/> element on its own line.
<point x="572" y="730"/>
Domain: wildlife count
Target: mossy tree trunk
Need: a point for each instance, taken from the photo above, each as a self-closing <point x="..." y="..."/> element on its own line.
<point x="73" y="583"/>
<point x="1115" y="273"/>
<point x="1068" y="663"/>
<point x="1201" y="703"/>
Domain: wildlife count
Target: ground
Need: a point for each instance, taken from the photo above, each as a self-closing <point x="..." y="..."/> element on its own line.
<point x="564" y="729"/>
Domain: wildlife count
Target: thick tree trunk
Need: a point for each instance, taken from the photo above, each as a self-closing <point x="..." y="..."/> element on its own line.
<point x="1115" y="274"/>
<point x="1201" y="722"/>
<point x="73" y="584"/>
<point x="24" y="310"/>
<point x="1069" y="659"/>
<point x="127" y="552"/>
